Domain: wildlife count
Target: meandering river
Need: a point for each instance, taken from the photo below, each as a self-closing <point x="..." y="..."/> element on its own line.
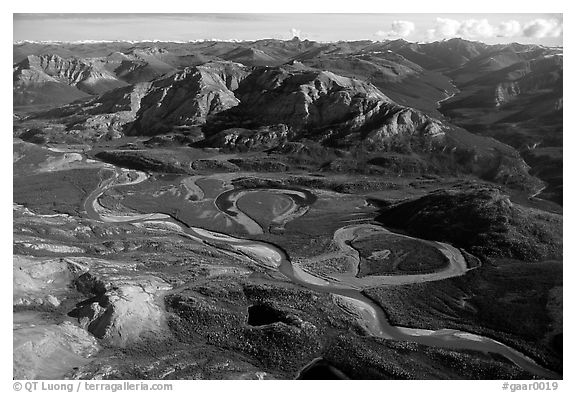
<point x="346" y="290"/>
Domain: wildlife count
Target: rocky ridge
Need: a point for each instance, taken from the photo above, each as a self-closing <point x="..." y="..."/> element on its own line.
<point x="83" y="77"/>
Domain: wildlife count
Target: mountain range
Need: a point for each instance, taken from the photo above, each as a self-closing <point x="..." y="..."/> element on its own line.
<point x="488" y="110"/>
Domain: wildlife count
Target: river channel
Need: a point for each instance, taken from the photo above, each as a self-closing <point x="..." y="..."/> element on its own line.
<point x="347" y="295"/>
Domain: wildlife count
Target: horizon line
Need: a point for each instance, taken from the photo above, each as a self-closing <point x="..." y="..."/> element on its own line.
<point x="86" y="42"/>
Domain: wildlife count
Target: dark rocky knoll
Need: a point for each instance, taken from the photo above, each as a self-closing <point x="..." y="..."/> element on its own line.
<point x="483" y="221"/>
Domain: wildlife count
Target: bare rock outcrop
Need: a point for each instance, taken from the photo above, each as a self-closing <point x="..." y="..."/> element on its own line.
<point x="123" y="308"/>
<point x="49" y="79"/>
<point x="188" y="97"/>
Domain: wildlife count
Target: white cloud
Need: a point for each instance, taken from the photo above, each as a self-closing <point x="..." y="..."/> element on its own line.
<point x="295" y="32"/>
<point x="403" y="27"/>
<point x="481" y="28"/>
<point x="398" y="28"/>
<point x="446" y="27"/>
<point x="511" y="28"/>
<point x="469" y="28"/>
<point x="541" y="28"/>
<point x="476" y="28"/>
<point x="431" y="34"/>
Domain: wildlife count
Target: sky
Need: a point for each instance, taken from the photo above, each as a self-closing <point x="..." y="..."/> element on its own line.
<point x="538" y="28"/>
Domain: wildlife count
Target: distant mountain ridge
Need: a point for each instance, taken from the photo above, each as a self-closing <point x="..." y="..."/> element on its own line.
<point x="402" y="67"/>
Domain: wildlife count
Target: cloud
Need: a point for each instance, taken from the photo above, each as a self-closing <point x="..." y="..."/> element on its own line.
<point x="476" y="28"/>
<point x="446" y="27"/>
<point x="403" y="27"/>
<point x="482" y="28"/>
<point x="469" y="28"/>
<point x="295" y="32"/>
<point x="398" y="28"/>
<point x="511" y="28"/>
<point x="541" y="28"/>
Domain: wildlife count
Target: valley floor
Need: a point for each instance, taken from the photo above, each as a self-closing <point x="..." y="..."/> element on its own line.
<point x="128" y="272"/>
